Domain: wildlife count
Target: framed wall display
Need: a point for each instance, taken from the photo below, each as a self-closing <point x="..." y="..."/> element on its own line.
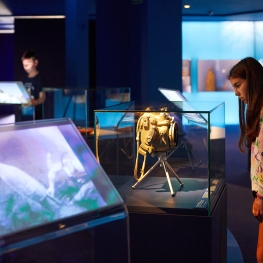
<point x="186" y="79"/>
<point x="212" y="75"/>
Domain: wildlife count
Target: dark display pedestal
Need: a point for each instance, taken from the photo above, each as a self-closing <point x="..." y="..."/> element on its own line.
<point x="95" y="245"/>
<point x="162" y="232"/>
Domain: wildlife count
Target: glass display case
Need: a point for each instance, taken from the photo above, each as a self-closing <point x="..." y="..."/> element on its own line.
<point x="54" y="192"/>
<point x="164" y="156"/>
<point x="78" y="103"/>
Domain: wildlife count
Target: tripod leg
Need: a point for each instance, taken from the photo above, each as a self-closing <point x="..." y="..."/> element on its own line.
<point x="144" y="175"/>
<point x="171" y="169"/>
<point x="168" y="179"/>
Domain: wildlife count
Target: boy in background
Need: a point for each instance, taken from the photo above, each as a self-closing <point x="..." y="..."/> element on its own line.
<point x="33" y="82"/>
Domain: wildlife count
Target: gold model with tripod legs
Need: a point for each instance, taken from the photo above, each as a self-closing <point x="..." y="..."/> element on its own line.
<point x="156" y="134"/>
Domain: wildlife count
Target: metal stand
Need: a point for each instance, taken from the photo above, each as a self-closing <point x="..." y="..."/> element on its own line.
<point x="162" y="160"/>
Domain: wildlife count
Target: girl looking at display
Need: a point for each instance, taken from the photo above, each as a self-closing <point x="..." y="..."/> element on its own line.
<point x="246" y="78"/>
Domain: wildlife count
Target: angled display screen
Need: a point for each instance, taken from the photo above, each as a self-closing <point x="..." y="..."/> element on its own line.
<point x="13" y="92"/>
<point x="48" y="175"/>
<point x="176" y="95"/>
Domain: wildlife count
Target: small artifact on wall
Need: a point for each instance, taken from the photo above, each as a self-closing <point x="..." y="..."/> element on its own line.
<point x="210" y="80"/>
<point x="212" y="75"/>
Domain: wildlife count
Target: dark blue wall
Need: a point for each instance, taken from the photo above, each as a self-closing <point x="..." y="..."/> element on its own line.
<point x="7" y="57"/>
<point x="139" y="46"/>
<point x="113" y="43"/>
<point x="47" y="38"/>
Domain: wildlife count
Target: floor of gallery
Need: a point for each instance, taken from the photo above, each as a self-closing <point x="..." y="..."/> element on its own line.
<point x="234" y="254"/>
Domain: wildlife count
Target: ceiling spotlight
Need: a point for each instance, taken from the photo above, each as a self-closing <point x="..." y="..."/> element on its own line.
<point x="186" y="6"/>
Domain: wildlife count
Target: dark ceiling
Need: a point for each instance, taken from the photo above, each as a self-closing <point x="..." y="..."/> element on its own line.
<point x="242" y="9"/>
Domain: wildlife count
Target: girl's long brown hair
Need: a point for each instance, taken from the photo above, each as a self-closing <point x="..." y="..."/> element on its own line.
<point x="249" y="115"/>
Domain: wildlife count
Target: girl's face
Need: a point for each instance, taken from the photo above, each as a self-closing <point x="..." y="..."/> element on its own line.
<point x="240" y="88"/>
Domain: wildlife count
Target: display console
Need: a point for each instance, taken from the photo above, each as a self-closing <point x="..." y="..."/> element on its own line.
<point x="50" y="181"/>
<point x="13" y="92"/>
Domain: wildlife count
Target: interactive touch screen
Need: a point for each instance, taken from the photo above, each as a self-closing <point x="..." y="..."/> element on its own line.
<point x="48" y="173"/>
<point x="13" y="93"/>
<point x="176" y="95"/>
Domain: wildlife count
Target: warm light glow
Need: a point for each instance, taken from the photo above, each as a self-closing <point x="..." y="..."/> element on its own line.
<point x="186" y="6"/>
<point x="11" y="31"/>
<point x="4" y="10"/>
<point x="40" y="17"/>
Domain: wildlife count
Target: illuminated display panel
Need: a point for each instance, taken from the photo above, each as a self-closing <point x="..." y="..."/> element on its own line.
<point x="48" y="177"/>
<point x="13" y="92"/>
<point x="175" y="96"/>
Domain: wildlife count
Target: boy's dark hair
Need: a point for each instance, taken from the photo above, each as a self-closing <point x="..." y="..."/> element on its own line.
<point x="29" y="54"/>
